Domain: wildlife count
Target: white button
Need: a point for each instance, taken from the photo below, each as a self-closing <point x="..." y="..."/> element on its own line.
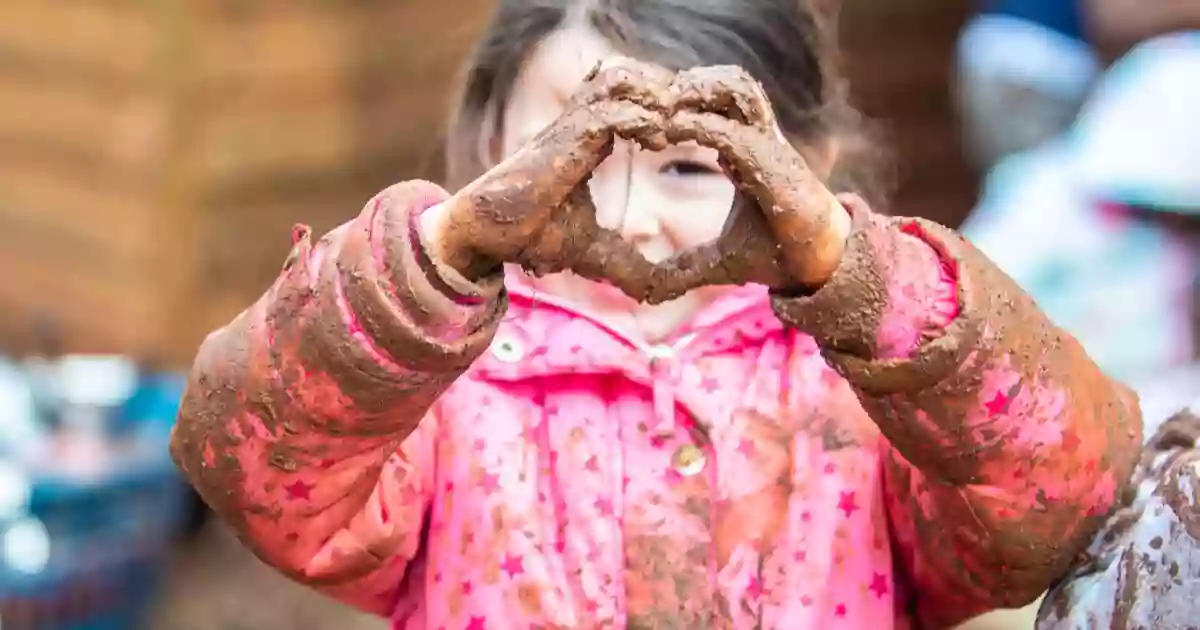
<point x="508" y="350"/>
<point x="689" y="460"/>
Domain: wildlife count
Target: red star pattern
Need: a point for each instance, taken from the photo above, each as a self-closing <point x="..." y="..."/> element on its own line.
<point x="513" y="565"/>
<point x="879" y="585"/>
<point x="840" y="610"/>
<point x="299" y="491"/>
<point x="998" y="404"/>
<point x="477" y="623"/>
<point x="490" y="482"/>
<point x="846" y="503"/>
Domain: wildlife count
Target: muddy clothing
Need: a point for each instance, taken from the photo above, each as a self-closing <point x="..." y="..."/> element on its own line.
<point x="912" y="443"/>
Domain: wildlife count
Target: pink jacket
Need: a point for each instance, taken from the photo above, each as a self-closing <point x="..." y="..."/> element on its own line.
<point x="914" y="442"/>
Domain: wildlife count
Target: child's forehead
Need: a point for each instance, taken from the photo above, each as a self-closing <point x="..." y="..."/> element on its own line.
<point x="559" y="63"/>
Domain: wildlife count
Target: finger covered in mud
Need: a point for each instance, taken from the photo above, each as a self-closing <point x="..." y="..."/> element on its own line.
<point x="518" y="211"/>
<point x="728" y="91"/>
<point x="797" y="205"/>
<point x="626" y="79"/>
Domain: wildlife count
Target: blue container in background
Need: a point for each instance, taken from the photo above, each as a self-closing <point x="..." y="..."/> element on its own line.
<point x="90" y="554"/>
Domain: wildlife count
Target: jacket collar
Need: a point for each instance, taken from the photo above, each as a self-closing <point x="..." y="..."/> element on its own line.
<point x="545" y="335"/>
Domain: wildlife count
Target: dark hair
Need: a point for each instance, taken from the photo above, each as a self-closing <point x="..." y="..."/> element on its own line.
<point x="785" y="44"/>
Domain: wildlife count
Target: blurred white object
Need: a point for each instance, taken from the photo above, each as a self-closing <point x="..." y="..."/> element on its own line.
<point x="102" y="381"/>
<point x="1013" y="49"/>
<point x="90" y="387"/>
<point x="20" y="431"/>
<point x="1168" y="394"/>
<point x="26" y="546"/>
<point x="1018" y="83"/>
<point x="1138" y="137"/>
<point x="15" y="492"/>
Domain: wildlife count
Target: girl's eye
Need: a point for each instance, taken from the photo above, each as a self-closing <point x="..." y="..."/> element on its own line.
<point x="684" y="168"/>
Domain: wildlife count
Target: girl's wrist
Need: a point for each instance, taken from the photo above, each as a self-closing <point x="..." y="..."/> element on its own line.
<point x="832" y="244"/>
<point x="445" y="244"/>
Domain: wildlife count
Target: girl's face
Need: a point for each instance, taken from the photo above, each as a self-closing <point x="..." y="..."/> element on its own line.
<point x="663" y="202"/>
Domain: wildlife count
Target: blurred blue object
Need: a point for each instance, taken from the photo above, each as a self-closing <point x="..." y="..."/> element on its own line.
<point x="1022" y="73"/>
<point x="1138" y="138"/>
<point x="87" y="553"/>
<point x="1061" y="16"/>
<point x="154" y="403"/>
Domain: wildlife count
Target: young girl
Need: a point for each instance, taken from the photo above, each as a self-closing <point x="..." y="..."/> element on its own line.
<point x="399" y="424"/>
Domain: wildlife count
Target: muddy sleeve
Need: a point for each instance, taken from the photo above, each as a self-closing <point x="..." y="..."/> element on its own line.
<point x="1005" y="444"/>
<point x="307" y="421"/>
<point x="1142" y="570"/>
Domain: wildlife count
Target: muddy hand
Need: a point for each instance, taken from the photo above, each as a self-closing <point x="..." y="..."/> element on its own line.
<point x="786" y="228"/>
<point x="534" y="208"/>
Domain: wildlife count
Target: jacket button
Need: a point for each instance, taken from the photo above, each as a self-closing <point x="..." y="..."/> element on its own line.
<point x="508" y="350"/>
<point x="689" y="460"/>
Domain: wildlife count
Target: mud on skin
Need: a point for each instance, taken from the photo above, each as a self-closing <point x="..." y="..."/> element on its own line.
<point x="534" y="209"/>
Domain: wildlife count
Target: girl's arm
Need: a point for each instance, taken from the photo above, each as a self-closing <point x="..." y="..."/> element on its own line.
<point x="1006" y="445"/>
<point x="302" y="422"/>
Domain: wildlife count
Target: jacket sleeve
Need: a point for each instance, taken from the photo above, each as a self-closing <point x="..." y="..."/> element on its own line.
<point x="302" y="425"/>
<point x="1006" y="445"/>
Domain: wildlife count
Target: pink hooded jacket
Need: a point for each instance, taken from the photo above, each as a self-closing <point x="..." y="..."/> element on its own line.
<point x="912" y="443"/>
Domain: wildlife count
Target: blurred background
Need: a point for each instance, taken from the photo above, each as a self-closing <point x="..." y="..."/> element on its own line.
<point x="154" y="155"/>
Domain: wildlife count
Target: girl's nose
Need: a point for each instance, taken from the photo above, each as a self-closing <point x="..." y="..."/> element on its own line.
<point x="624" y="197"/>
<point x="639" y="222"/>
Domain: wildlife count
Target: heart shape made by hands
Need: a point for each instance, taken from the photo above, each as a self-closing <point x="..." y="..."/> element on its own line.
<point x="723" y="108"/>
